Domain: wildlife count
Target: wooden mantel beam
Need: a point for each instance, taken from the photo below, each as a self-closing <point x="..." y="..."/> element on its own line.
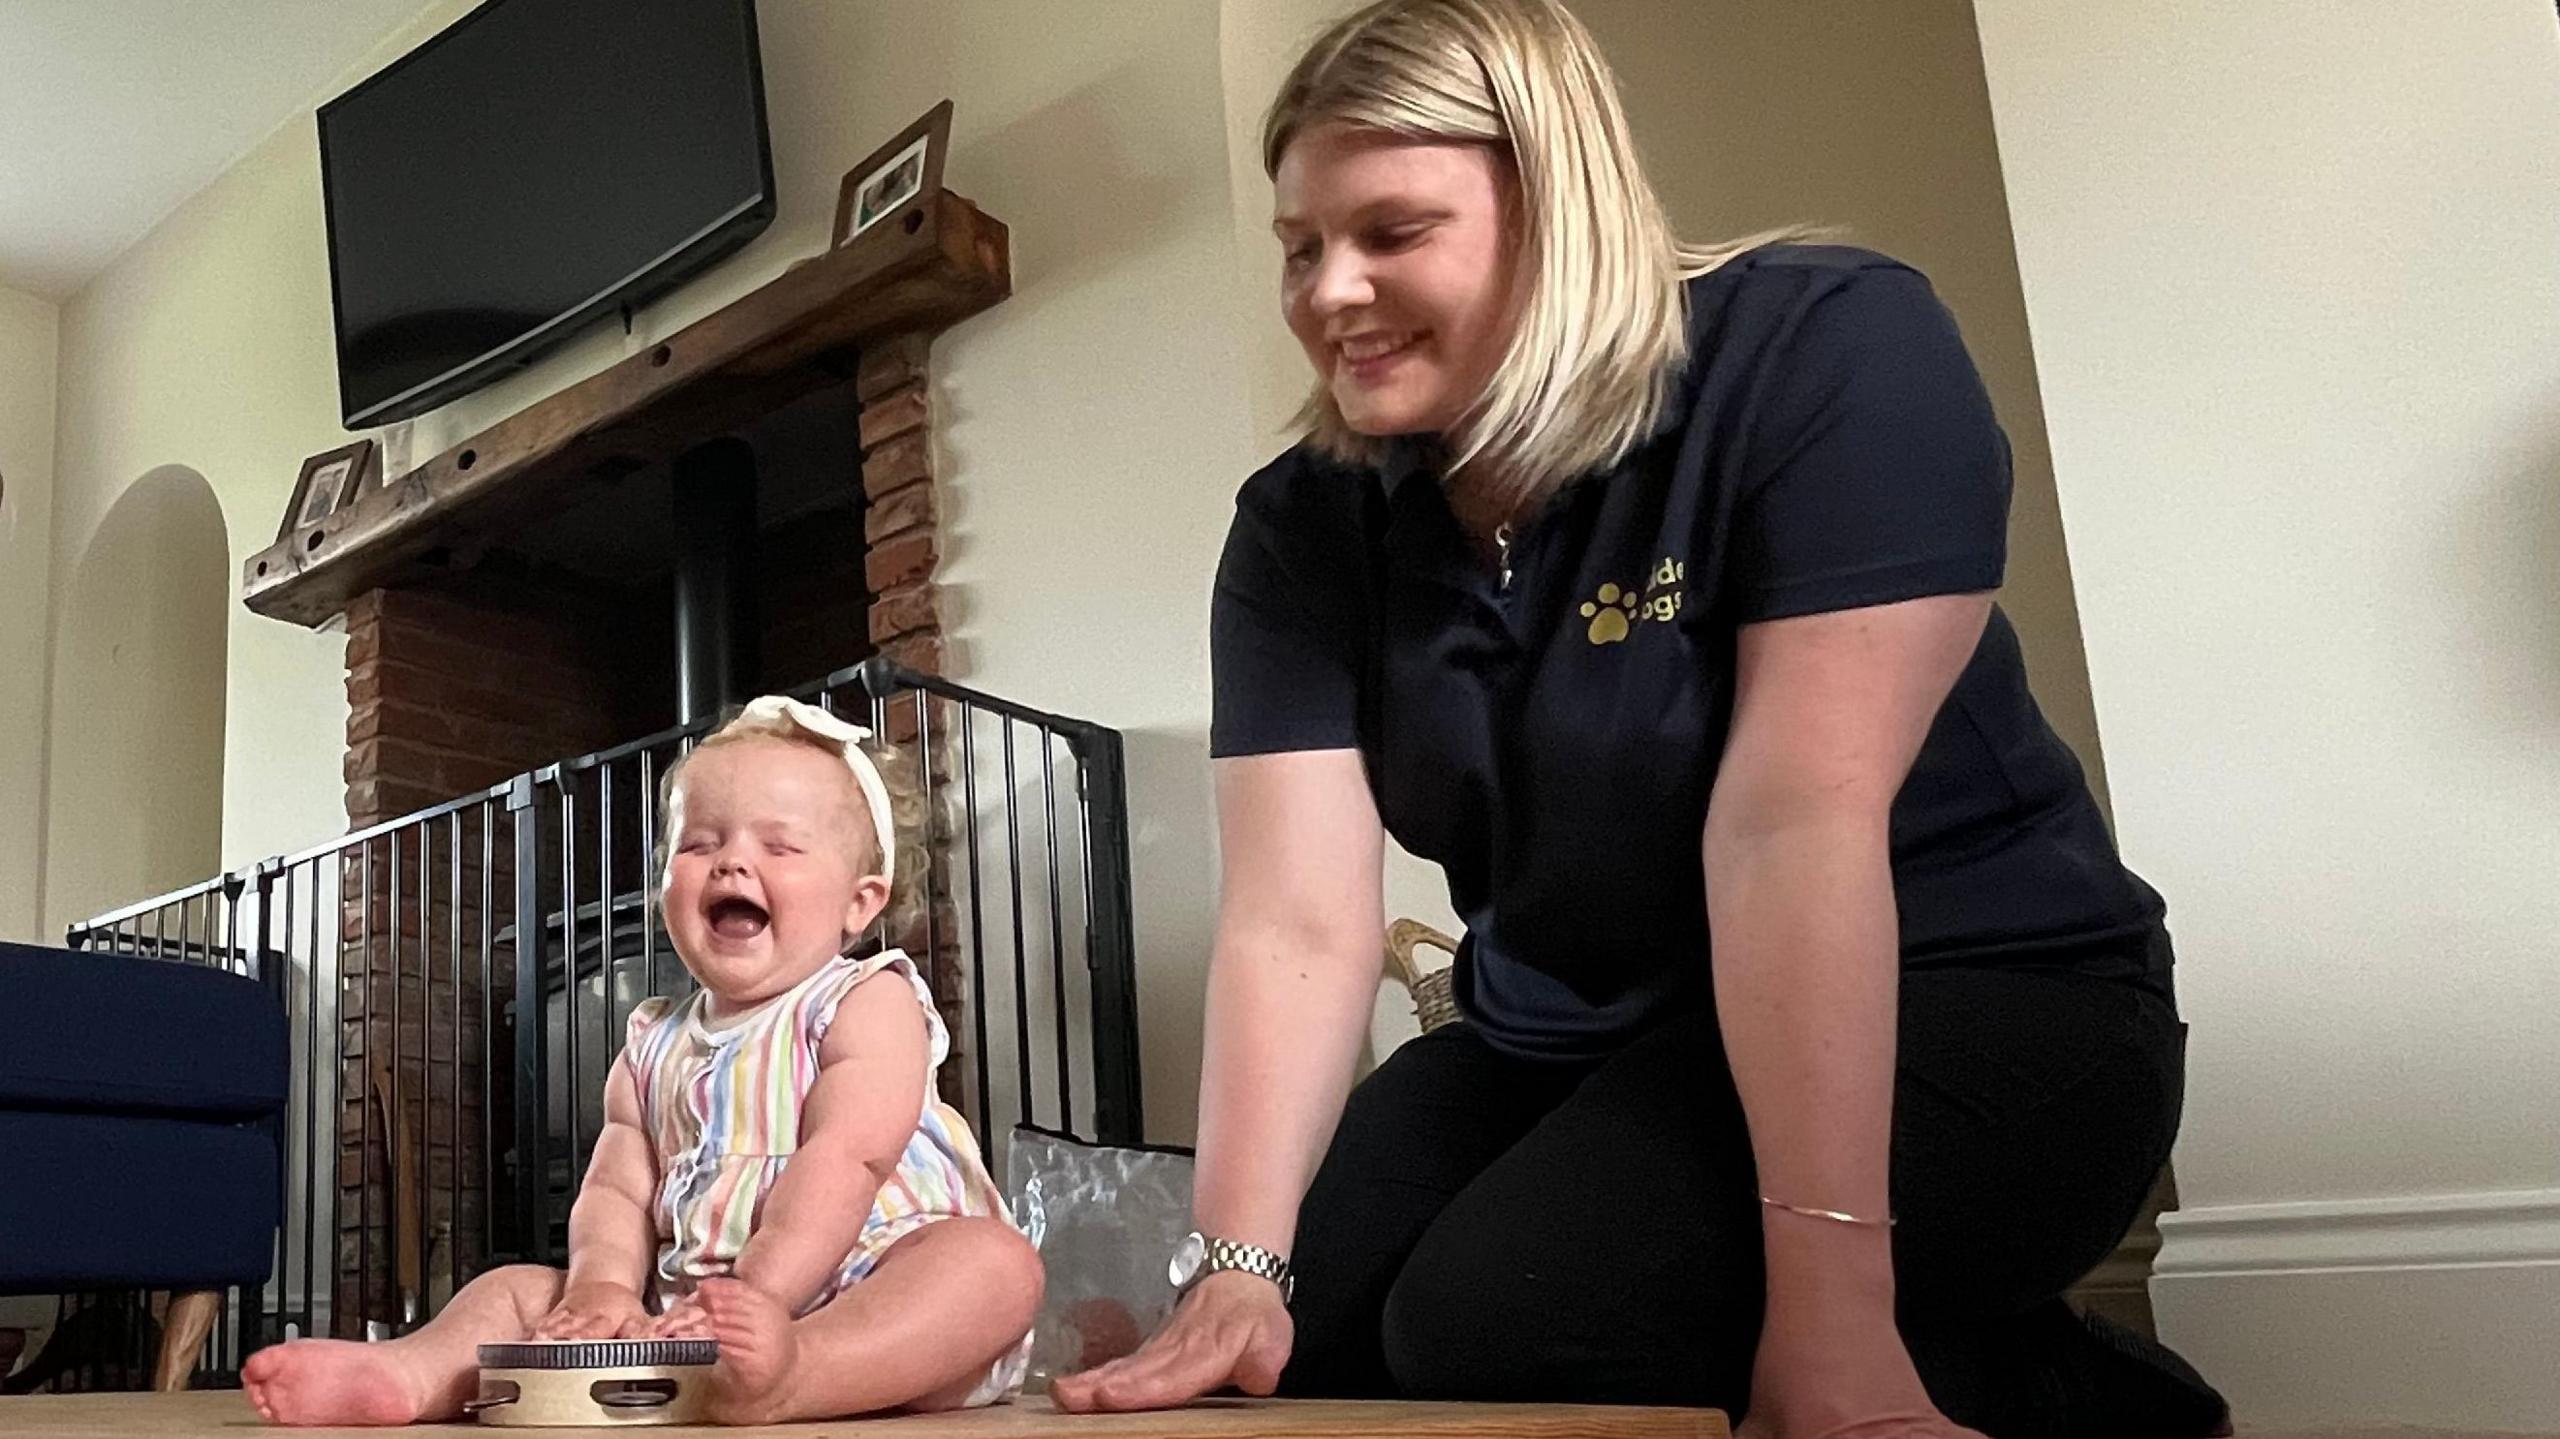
<point x="919" y="274"/>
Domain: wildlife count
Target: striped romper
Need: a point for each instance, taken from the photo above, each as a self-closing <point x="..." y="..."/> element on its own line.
<point x="721" y="1105"/>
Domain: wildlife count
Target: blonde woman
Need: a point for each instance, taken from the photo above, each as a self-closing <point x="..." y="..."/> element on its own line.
<point x="1816" y="1038"/>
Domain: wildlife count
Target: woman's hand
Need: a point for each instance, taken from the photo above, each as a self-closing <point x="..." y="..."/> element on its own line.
<point x="592" y="1310"/>
<point x="1232" y="1328"/>
<point x="1816" y="1380"/>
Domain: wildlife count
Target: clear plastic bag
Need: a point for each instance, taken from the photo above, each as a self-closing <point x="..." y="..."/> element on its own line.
<point x="1106" y="1221"/>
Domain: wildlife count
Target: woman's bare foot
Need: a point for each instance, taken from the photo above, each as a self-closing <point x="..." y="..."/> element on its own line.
<point x="751" y="1383"/>
<point x="332" y="1381"/>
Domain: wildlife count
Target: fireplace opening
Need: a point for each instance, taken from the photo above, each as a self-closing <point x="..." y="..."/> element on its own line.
<point x="674" y="587"/>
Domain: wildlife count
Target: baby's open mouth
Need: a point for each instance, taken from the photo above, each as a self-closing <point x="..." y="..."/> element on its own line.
<point x="735" y="918"/>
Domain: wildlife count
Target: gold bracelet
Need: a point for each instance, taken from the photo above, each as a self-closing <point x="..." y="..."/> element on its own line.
<point x="1834" y="1215"/>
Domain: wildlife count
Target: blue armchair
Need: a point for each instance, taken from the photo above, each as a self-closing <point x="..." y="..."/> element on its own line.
<point x="140" y="1112"/>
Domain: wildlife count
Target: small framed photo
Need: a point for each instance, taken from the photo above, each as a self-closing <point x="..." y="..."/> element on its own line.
<point x="330" y="482"/>
<point x="904" y="172"/>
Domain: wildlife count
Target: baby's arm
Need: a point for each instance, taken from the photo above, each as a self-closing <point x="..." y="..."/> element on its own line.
<point x="612" y="1240"/>
<point x="859" y="1119"/>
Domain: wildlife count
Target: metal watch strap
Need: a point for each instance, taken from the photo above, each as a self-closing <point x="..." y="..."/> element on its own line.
<point x="1225" y="1254"/>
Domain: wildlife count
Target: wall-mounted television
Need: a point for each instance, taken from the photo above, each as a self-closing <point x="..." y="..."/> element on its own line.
<point x="535" y="166"/>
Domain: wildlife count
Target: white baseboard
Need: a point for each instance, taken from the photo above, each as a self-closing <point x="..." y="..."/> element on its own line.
<point x="2436" y="1310"/>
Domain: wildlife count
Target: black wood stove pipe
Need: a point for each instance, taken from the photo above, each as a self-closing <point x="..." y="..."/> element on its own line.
<point x="717" y="659"/>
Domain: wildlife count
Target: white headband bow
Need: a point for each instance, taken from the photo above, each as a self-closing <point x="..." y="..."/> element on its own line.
<point x="847" y="737"/>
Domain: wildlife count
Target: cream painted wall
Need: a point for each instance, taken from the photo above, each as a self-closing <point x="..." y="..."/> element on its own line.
<point x="134" y="771"/>
<point x="1756" y="114"/>
<point x="29" y="328"/>
<point x="2295" y="286"/>
<point x="207" y="345"/>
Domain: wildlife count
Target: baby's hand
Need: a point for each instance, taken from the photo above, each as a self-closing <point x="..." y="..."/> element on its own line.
<point x="684" y="1319"/>
<point x="595" y="1311"/>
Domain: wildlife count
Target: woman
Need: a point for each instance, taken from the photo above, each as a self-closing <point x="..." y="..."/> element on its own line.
<point x="1816" y="1039"/>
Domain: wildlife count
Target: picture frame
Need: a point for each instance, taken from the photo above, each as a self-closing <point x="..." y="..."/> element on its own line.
<point x="330" y="481"/>
<point x="900" y="175"/>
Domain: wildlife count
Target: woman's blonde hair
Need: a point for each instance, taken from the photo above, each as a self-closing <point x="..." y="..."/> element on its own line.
<point x="899" y="777"/>
<point x="1602" y="314"/>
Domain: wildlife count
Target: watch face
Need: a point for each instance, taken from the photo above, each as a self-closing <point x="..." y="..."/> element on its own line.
<point x="1187" y="1257"/>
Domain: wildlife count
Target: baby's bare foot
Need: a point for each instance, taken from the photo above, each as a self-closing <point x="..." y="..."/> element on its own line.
<point x="750" y="1384"/>
<point x="332" y="1381"/>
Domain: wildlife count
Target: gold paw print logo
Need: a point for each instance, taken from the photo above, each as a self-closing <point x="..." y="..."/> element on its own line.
<point x="1611" y="615"/>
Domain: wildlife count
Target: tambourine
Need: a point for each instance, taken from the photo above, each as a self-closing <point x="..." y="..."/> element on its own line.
<point x="602" y="1382"/>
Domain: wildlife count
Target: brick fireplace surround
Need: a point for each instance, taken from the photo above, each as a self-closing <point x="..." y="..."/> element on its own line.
<point x="465" y="679"/>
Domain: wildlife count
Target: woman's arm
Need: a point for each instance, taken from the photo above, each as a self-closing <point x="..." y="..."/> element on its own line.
<point x="859" y="1119"/>
<point x="1829" y="713"/>
<point x="1292" y="981"/>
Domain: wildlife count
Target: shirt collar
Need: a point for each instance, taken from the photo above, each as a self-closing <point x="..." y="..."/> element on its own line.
<point x="1406" y="457"/>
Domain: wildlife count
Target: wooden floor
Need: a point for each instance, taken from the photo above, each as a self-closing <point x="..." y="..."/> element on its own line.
<point x="215" y="1412"/>
<point x="210" y="1412"/>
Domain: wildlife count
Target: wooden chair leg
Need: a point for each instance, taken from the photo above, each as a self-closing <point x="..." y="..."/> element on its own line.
<point x="182" y="1337"/>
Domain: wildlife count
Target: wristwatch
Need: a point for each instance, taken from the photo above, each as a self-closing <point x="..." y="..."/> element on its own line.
<point x="1198" y="1256"/>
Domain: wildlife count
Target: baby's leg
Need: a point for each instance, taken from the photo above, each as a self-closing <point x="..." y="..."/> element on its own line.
<point x="426" y="1375"/>
<point x="918" y="1332"/>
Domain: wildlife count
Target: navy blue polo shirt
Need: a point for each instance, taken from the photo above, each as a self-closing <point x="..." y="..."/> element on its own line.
<point x="1550" y="742"/>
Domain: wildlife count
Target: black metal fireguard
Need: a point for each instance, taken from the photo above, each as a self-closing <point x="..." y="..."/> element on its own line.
<point x="457" y="982"/>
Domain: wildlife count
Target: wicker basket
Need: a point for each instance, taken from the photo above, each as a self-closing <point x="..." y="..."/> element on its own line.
<point x="1433" y="1005"/>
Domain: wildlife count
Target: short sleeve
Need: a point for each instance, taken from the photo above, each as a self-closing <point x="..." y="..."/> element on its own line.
<point x="1875" y="470"/>
<point x="1286" y="635"/>
<point x="644" y="1016"/>
<point x="821" y="1013"/>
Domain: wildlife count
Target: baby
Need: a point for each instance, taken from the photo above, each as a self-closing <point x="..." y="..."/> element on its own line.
<point x="773" y="1171"/>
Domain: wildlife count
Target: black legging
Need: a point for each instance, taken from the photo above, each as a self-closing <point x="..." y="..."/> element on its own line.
<point x="1486" y="1227"/>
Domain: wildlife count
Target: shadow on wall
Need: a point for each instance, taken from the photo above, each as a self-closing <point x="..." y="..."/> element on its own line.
<point x="1070" y="164"/>
<point x="133" y="791"/>
<point x="1173" y="861"/>
<point x="2517" y="535"/>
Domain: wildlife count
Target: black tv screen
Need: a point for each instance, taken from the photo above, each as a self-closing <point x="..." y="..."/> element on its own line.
<point x="537" y="165"/>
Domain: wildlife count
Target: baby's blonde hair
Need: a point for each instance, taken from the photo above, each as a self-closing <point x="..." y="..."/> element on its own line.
<point x="1602" y="310"/>
<point x="899" y="777"/>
